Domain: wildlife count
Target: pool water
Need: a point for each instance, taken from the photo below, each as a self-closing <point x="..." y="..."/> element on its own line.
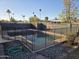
<point x="16" y="50"/>
<point x="40" y="40"/>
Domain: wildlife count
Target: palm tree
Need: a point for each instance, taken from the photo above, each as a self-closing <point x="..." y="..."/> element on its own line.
<point x="46" y="19"/>
<point x="23" y="17"/>
<point x="9" y="12"/>
<point x="40" y="12"/>
<point x="33" y="13"/>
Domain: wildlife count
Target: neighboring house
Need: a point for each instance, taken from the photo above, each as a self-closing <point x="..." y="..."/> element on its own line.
<point x="56" y="21"/>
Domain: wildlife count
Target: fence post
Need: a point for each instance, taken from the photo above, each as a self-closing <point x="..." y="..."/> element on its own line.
<point x="1" y="32"/>
<point x="45" y="40"/>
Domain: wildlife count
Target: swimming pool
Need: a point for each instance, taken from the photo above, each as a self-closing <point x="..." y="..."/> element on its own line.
<point x="37" y="38"/>
<point x="16" y="50"/>
<point x="41" y="40"/>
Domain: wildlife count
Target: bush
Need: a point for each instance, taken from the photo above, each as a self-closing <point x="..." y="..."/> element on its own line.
<point x="71" y="38"/>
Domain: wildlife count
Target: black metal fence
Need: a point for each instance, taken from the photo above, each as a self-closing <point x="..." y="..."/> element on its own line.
<point x="15" y="50"/>
<point x="52" y="52"/>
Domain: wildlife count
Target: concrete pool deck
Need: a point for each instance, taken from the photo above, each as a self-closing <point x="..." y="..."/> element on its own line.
<point x="52" y="33"/>
<point x="3" y="40"/>
<point x="62" y="39"/>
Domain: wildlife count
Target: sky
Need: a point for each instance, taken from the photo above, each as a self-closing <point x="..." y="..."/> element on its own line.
<point x="50" y="8"/>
